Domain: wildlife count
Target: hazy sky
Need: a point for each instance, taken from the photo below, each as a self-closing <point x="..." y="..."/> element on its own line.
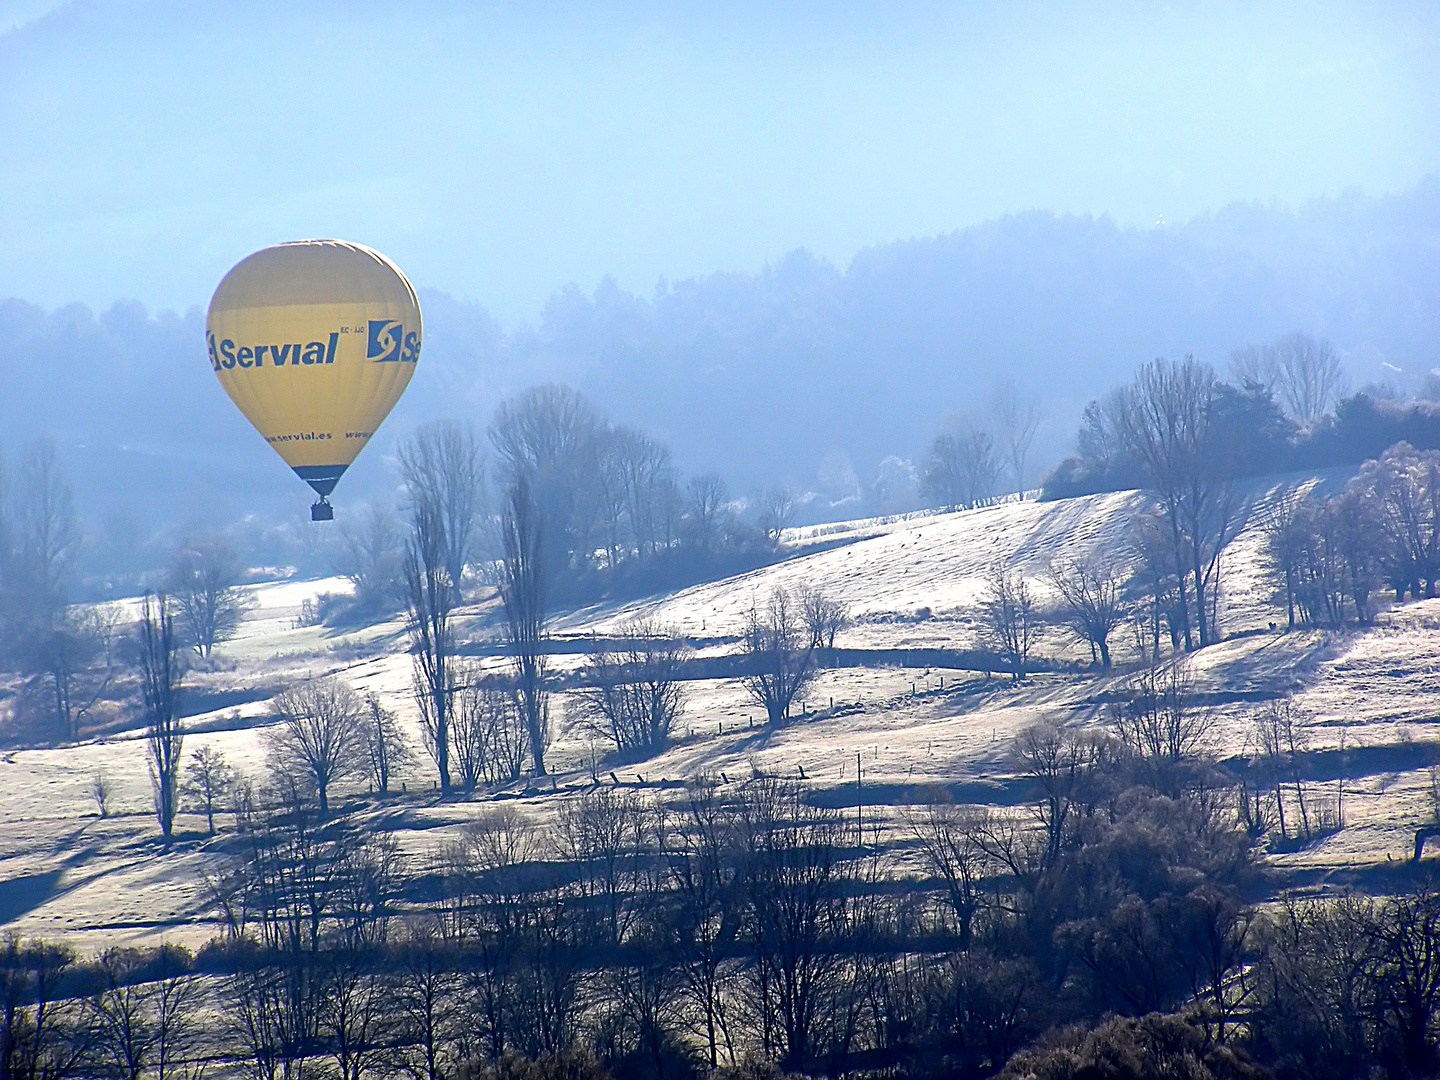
<point x="499" y="153"/>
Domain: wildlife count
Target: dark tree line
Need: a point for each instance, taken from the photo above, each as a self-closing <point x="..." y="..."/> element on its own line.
<point x="1284" y="408"/>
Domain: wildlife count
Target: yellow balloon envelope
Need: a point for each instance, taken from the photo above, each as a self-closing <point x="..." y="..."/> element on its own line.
<point x="315" y="341"/>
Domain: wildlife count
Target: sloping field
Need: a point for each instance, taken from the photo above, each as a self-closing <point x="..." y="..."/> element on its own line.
<point x="914" y="583"/>
<point x="911" y="731"/>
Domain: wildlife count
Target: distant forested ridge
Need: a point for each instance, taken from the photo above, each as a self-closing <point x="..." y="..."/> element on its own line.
<point x="801" y="373"/>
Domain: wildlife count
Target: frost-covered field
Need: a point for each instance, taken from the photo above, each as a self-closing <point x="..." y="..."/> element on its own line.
<point x="908" y="584"/>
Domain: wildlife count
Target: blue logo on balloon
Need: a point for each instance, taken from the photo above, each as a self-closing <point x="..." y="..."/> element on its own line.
<point x="386" y="336"/>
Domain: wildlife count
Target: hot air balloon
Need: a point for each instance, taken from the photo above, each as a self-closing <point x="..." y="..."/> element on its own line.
<point x="315" y="341"/>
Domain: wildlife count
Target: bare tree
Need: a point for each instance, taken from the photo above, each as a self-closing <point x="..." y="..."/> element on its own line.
<point x="1011" y="622"/>
<point x="667" y="501"/>
<point x="47" y="532"/>
<point x="509" y="734"/>
<point x="1162" y="727"/>
<point x="706" y="502"/>
<point x="470" y="730"/>
<point x="40" y="537"/>
<point x="370" y="556"/>
<point x="643" y="468"/>
<point x="488" y="733"/>
<point x="1101" y="439"/>
<point x="160" y="673"/>
<point x="102" y="789"/>
<point x="961" y="467"/>
<point x="1017" y="417"/>
<point x="948" y="836"/>
<point x="796" y="887"/>
<point x="385" y="745"/>
<point x="208" y="778"/>
<point x="443" y="466"/>
<point x="355" y="1013"/>
<point x="1305" y="374"/>
<point x="824" y="615"/>
<point x="1256" y="365"/>
<point x="774" y="511"/>
<point x="431" y="599"/>
<point x="76" y="654"/>
<point x="1058" y="761"/>
<point x="319" y="738"/>
<point x="603" y="834"/>
<point x="1167" y="419"/>
<point x="144" y="1016"/>
<point x="203" y="583"/>
<point x="1287" y="538"/>
<point x="1282" y="740"/>
<point x="608" y="498"/>
<point x="633" y="694"/>
<point x="706" y="871"/>
<point x="427" y="1003"/>
<point x="119" y="1013"/>
<point x="551" y="436"/>
<point x="271" y="1013"/>
<point x="44" y="1034"/>
<point x="244" y="803"/>
<point x="1154" y="585"/>
<point x="1090" y="603"/>
<point x="522" y="590"/>
<point x="779" y="655"/>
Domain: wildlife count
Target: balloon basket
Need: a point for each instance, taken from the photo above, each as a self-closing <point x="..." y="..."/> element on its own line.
<point x="322" y="511"/>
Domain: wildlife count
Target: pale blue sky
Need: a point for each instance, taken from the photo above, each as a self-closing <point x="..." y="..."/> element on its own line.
<point x="498" y="153"/>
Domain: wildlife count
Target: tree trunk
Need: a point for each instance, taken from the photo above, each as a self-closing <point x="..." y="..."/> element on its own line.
<point x="1201" y="620"/>
<point x="1181" y="601"/>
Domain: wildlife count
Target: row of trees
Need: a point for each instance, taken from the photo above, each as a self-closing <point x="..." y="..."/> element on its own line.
<point x="616" y="511"/>
<point x="1327" y="555"/>
<point x="481" y="726"/>
<point x="460" y="710"/>
<point x="1186" y="437"/>
<point x="1330" y="553"/>
<point x="612" y="499"/>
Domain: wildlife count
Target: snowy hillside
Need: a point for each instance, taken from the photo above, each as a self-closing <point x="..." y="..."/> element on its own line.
<point x="908" y="584"/>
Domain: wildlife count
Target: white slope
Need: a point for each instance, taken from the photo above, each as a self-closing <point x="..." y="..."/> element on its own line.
<point x="916" y="584"/>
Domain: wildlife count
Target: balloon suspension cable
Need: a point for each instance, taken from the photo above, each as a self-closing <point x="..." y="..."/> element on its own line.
<point x="322" y="511"/>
